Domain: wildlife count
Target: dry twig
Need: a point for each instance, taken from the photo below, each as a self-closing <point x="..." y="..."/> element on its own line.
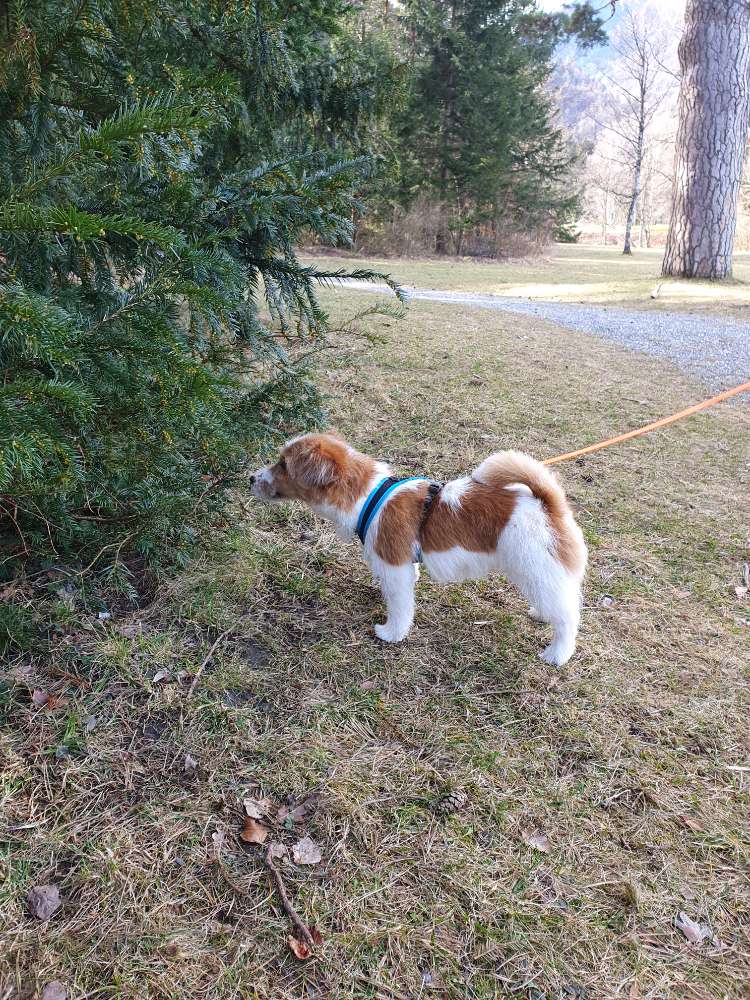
<point x="208" y="656"/>
<point x="289" y="909"/>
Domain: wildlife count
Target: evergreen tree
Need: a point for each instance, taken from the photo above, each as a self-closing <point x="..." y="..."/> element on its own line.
<point x="478" y="131"/>
<point x="157" y="171"/>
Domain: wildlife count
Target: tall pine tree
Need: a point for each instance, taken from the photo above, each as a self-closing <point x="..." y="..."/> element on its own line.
<point x="478" y="133"/>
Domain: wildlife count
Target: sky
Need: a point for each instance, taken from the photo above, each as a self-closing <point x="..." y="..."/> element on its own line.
<point x="670" y="10"/>
<point x="665" y="6"/>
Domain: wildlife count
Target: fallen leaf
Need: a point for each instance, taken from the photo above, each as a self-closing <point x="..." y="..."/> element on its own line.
<point x="190" y="764"/>
<point x="740" y="591"/>
<point x="304" y="808"/>
<point x="536" y="839"/>
<point x="307" y="852"/>
<point x="54" y="991"/>
<point x="316" y="935"/>
<point x="695" y="933"/>
<point x="682" y="594"/>
<point x="369" y="685"/>
<point x="299" y="948"/>
<point x="39" y="698"/>
<point x="257" y="808"/>
<point x="277" y="850"/>
<point x="217" y="845"/>
<point x="22" y="673"/>
<point x="253" y="832"/>
<point x="693" y="824"/>
<point x="89" y="723"/>
<point x="44" y="901"/>
<point x="160" y="675"/>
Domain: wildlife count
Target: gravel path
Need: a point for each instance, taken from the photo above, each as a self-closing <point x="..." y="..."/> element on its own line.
<point x="716" y="351"/>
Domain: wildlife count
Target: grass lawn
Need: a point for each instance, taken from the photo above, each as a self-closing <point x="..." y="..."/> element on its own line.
<point x="592" y="805"/>
<point x="573" y="273"/>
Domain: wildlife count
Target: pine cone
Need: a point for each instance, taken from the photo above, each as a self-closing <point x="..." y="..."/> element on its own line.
<point x="450" y="803"/>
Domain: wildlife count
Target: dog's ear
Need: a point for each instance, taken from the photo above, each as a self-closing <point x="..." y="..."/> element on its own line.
<point x="316" y="460"/>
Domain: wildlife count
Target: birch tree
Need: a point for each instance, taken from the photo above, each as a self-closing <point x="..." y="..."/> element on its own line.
<point x="640" y="86"/>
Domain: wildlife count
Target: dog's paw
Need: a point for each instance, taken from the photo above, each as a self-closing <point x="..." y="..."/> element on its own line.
<point x="387" y="633"/>
<point x="556" y="656"/>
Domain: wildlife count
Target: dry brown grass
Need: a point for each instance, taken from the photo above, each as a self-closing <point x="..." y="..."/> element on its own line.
<point x="572" y="273"/>
<point x="630" y="759"/>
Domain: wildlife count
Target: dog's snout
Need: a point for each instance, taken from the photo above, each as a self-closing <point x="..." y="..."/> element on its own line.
<point x="252" y="480"/>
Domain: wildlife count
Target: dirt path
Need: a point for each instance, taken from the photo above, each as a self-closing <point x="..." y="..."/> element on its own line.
<point x="715" y="351"/>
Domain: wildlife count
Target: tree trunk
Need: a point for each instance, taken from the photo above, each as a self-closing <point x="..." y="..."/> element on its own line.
<point x="646" y="201"/>
<point x="711" y="140"/>
<point x="442" y="236"/>
<point x="633" y="205"/>
<point x="638" y="160"/>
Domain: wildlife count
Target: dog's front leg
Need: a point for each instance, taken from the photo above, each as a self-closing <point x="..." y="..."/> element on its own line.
<point x="397" y="585"/>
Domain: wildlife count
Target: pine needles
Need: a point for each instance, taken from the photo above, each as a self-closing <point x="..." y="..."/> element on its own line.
<point x="155" y="182"/>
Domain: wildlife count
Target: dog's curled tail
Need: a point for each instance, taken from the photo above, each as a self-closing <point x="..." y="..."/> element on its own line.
<point x="504" y="469"/>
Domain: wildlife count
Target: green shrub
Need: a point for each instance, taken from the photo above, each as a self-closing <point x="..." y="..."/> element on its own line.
<point x="155" y="179"/>
<point x="16" y="628"/>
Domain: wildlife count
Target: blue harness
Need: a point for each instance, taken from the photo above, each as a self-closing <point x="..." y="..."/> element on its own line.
<point x="380" y="494"/>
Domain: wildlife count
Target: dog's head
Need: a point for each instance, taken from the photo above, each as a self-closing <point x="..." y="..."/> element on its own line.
<point x="315" y="468"/>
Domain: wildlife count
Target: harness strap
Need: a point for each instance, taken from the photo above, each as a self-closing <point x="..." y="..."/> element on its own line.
<point x="380" y="494"/>
<point x="429" y="500"/>
<point x="375" y="501"/>
<point x="432" y="492"/>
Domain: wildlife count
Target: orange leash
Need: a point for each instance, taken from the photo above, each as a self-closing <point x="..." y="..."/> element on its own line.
<point x="664" y="422"/>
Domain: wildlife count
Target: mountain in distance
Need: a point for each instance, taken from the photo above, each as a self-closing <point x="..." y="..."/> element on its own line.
<point x="579" y="79"/>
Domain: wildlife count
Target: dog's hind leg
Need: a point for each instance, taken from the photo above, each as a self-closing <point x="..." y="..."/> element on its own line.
<point x="397" y="585"/>
<point x="561" y="607"/>
<point x="527" y="556"/>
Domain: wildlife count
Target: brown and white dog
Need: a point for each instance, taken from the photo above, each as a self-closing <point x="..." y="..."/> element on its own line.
<point x="509" y="516"/>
